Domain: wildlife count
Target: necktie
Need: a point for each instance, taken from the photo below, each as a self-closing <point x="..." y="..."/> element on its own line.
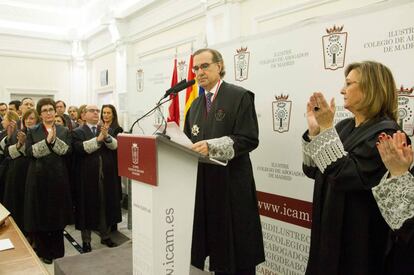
<point x="94" y="130"/>
<point x="208" y="101"/>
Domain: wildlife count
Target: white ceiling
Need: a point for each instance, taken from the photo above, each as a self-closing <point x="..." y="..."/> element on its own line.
<point x="63" y="19"/>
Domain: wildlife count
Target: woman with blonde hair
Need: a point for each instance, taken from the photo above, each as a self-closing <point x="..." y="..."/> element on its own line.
<point x="348" y="233"/>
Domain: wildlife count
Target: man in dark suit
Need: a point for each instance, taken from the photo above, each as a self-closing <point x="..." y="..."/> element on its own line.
<point x="14" y="105"/>
<point x="60" y="110"/>
<point x="3" y="111"/>
<point x="97" y="194"/>
<point x="223" y="125"/>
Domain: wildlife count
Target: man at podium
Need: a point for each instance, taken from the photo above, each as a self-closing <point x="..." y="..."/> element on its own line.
<point x="223" y="125"/>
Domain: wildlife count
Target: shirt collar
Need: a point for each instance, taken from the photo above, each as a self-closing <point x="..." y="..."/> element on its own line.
<point x="216" y="87"/>
<point x="92" y="125"/>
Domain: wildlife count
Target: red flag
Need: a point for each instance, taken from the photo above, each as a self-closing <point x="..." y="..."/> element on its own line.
<point x="174" y="109"/>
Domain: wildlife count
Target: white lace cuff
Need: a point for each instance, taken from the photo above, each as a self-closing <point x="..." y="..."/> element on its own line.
<point x="113" y="144"/>
<point x="14" y="152"/>
<point x="221" y="148"/>
<point x="91" y="145"/>
<point x="60" y="147"/>
<point x="307" y="159"/>
<point x="395" y="199"/>
<point x="3" y="143"/>
<point x="325" y="148"/>
<point x="40" y="149"/>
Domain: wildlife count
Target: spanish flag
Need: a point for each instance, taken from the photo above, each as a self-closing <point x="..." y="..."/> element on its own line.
<point x="192" y="91"/>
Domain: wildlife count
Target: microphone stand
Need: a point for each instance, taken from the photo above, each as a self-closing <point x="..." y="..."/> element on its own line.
<point x="183" y="84"/>
<point x="159" y="103"/>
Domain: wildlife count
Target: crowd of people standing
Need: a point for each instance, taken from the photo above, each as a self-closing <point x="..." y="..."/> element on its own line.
<point x="58" y="169"/>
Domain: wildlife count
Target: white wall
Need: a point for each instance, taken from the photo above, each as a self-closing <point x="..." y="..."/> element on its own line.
<point x="160" y="29"/>
<point x="100" y="64"/>
<point x="33" y="76"/>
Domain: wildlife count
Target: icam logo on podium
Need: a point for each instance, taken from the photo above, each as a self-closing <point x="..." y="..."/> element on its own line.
<point x="135" y="153"/>
<point x="241" y="64"/>
<point x="406" y="110"/>
<point x="334" y="48"/>
<point x="281" y="113"/>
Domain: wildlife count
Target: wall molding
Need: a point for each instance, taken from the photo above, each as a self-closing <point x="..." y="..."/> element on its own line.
<point x="30" y="91"/>
<point x="167" y="24"/>
<point x="167" y="46"/>
<point x="35" y="55"/>
<point x="304" y="5"/>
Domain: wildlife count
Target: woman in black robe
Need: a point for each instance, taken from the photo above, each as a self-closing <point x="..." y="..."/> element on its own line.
<point x="48" y="205"/>
<point x="395" y="198"/>
<point x="348" y="234"/>
<point x="109" y="118"/>
<point x="17" y="169"/>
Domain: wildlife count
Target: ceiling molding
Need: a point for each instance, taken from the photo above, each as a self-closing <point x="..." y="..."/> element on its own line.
<point x="101" y="52"/>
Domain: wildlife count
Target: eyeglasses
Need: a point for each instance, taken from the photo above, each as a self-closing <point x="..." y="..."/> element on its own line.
<point x="47" y="111"/>
<point x="203" y="67"/>
<point x="93" y="110"/>
<point x="347" y="84"/>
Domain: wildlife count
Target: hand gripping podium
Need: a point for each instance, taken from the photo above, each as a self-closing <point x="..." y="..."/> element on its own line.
<point x="163" y="175"/>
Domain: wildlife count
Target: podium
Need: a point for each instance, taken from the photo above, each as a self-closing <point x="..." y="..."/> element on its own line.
<point x="163" y="175"/>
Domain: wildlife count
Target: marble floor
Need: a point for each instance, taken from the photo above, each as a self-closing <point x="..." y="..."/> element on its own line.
<point x="96" y="243"/>
<point x="96" y="240"/>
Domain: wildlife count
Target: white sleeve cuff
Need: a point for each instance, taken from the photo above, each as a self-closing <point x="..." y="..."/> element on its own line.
<point x="91" y="145"/>
<point x="3" y="143"/>
<point x="395" y="199"/>
<point x="221" y="148"/>
<point x="14" y="152"/>
<point x="40" y="149"/>
<point x="113" y="145"/>
<point x="325" y="149"/>
<point x="60" y="147"/>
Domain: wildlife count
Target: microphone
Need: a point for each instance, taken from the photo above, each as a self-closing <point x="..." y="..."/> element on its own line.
<point x="177" y="90"/>
<point x="173" y="88"/>
<point x="184" y="86"/>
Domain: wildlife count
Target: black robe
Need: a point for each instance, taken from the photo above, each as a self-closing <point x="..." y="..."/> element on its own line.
<point x="15" y="183"/>
<point x="47" y="204"/>
<point x="114" y="130"/>
<point x="226" y="219"/>
<point x="400" y="250"/>
<point x="87" y="178"/>
<point x="3" y="166"/>
<point x="348" y="232"/>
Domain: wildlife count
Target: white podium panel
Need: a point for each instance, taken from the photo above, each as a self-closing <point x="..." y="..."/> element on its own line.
<point x="162" y="216"/>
